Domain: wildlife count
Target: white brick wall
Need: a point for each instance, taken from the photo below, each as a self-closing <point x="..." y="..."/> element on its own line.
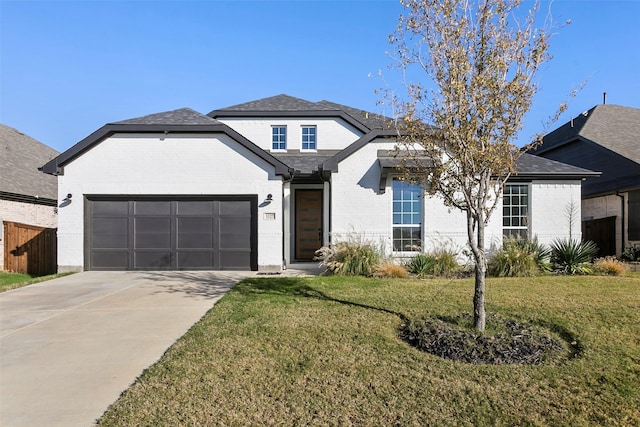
<point x="359" y="210"/>
<point x="130" y="164"/>
<point x="551" y="203"/>
<point x="332" y="134"/>
<point x="24" y="213"/>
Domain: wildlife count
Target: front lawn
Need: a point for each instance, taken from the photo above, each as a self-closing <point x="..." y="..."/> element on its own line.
<point x="325" y="351"/>
<point x="17" y="280"/>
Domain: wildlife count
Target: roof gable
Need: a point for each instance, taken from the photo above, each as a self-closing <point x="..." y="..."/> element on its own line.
<point x="289" y="106"/>
<point x="183" y="120"/>
<point x="280" y="102"/>
<point x="614" y="127"/>
<point x="21" y="156"/>
<point x="182" y="116"/>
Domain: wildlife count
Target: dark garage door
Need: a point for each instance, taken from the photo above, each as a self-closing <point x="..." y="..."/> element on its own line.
<point x="175" y="234"/>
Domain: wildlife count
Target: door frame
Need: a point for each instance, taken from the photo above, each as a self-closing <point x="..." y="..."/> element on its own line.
<point x="321" y="215"/>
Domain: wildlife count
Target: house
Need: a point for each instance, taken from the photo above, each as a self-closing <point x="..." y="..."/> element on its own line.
<point x="605" y="138"/>
<point x="27" y="204"/>
<point x="262" y="185"/>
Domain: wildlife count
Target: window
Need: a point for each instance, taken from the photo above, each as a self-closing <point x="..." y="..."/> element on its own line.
<point x="407" y="216"/>
<point x="515" y="211"/>
<point x="278" y="137"/>
<point x="308" y="137"/>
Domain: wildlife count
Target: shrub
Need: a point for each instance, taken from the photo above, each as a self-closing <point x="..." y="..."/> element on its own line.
<point x="519" y="258"/>
<point x="609" y="266"/>
<point x="439" y="262"/>
<point x="421" y="265"/>
<point x="391" y="270"/>
<point x="570" y="256"/>
<point x="631" y="253"/>
<point x="349" y="258"/>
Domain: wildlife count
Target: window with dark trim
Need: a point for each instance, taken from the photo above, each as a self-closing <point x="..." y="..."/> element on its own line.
<point x="309" y="137"/>
<point x="278" y="138"/>
<point x="407" y="216"/>
<point x="515" y="211"/>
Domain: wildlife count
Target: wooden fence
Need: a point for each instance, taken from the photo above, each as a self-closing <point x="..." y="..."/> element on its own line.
<point x="30" y="249"/>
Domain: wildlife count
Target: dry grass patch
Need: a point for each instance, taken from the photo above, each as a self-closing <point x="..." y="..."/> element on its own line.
<point x="325" y="351"/>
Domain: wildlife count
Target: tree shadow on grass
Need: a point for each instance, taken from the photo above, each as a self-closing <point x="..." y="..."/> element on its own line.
<point x="296" y="287"/>
<point x="200" y="284"/>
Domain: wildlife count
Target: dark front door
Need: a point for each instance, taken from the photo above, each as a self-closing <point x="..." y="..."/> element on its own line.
<point x="308" y="229"/>
<point x="171" y="234"/>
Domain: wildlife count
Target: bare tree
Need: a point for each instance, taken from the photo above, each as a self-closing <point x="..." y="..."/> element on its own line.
<point x="480" y="59"/>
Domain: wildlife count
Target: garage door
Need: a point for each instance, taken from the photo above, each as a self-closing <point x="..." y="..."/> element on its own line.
<point x="171" y="234"/>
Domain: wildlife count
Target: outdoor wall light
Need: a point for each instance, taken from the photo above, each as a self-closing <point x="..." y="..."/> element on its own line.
<point x="269" y="197"/>
<point x="67" y="199"/>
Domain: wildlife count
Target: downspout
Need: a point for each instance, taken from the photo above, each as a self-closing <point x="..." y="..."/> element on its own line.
<point x="622" y="218"/>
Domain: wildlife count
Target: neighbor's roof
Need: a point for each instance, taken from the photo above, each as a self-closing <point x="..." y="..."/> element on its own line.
<point x="183" y="120"/>
<point x="289" y="106"/>
<point x="614" y="127"/>
<point x="20" y="156"/>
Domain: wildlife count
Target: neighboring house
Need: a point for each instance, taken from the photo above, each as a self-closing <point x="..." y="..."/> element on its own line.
<point x="607" y="139"/>
<point x="27" y="201"/>
<point x="262" y="185"/>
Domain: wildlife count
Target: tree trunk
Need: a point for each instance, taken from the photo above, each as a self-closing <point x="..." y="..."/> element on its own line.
<point x="479" y="315"/>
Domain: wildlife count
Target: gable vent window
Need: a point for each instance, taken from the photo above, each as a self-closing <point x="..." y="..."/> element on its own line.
<point x="278" y="138"/>
<point x="309" y="138"/>
<point x="407" y="216"/>
<point x="515" y="211"/>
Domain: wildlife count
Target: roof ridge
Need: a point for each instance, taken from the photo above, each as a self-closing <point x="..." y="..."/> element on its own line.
<point x="183" y="116"/>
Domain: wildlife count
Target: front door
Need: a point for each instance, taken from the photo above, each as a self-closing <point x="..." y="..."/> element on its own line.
<point x="308" y="227"/>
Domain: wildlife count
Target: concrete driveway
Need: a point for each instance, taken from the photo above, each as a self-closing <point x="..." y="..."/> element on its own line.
<point x="70" y="346"/>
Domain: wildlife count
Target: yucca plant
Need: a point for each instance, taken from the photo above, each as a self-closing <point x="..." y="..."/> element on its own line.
<point x="439" y="262"/>
<point x="421" y="265"/>
<point x="571" y="256"/>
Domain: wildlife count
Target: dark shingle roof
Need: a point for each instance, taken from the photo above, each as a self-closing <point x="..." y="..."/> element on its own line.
<point x="614" y="127"/>
<point x="370" y="120"/>
<point x="20" y="157"/>
<point x="277" y="103"/>
<point x="530" y="165"/>
<point x="290" y="106"/>
<point x="304" y="163"/>
<point x="182" y="116"/>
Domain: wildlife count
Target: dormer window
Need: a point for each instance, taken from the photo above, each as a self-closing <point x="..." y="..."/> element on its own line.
<point x="309" y="138"/>
<point x="278" y="138"/>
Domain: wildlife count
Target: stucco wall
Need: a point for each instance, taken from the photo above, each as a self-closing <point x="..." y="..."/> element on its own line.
<point x="332" y="134"/>
<point x="24" y="213"/>
<point x="129" y="164"/>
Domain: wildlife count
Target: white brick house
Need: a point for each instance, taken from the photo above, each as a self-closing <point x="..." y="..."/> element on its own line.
<point x="262" y="185"/>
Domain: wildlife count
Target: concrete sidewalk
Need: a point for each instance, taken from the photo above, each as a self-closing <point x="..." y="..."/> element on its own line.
<point x="70" y="346"/>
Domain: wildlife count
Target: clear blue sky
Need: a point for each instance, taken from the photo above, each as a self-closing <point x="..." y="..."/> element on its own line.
<point x="69" y="67"/>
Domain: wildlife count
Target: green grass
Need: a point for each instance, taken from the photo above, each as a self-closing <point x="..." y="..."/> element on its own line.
<point x="17" y="280"/>
<point x="324" y="351"/>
